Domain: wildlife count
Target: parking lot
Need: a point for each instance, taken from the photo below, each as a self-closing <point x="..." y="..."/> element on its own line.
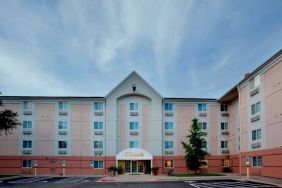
<point x="225" y="184"/>
<point x="85" y="181"/>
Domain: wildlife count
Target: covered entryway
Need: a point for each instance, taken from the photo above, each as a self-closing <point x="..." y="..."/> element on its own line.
<point x="135" y="161"/>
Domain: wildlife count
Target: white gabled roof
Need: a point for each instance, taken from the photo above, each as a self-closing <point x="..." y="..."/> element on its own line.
<point x="132" y="74"/>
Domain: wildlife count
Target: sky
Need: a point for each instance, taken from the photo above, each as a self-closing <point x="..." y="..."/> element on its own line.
<point x="181" y="48"/>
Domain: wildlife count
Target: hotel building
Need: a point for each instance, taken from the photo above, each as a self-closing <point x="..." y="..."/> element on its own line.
<point x="137" y="128"/>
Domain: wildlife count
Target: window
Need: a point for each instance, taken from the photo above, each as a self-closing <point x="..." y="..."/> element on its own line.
<point x="202" y="107"/>
<point x="98" y="164"/>
<point x="224" y="126"/>
<point x="133" y="144"/>
<point x="225" y="162"/>
<point x="255" y="108"/>
<point x="133" y="125"/>
<point x="224" y="144"/>
<point x="204" y="144"/>
<point x="168" y="125"/>
<point x="98" y="106"/>
<point x="257" y="161"/>
<point x="27" y="124"/>
<point x="256" y="134"/>
<point x="26" y="163"/>
<point x="98" y="125"/>
<point x="169" y="163"/>
<point x="63" y="125"/>
<point x="63" y="105"/>
<point x="133" y="106"/>
<point x="168" y="144"/>
<point x="62" y="144"/>
<point x="27" y="105"/>
<point x="27" y="144"/>
<point x="255" y="82"/>
<point x="223" y="108"/>
<point x="98" y="144"/>
<point x="202" y="125"/>
<point x="168" y="106"/>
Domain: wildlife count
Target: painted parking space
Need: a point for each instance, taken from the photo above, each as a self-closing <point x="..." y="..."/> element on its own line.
<point x="226" y="184"/>
<point x="50" y="179"/>
<point x="28" y="180"/>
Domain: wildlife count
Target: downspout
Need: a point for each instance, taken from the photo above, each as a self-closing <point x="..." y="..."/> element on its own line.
<point x="162" y="135"/>
<point x="105" y="138"/>
<point x="240" y="132"/>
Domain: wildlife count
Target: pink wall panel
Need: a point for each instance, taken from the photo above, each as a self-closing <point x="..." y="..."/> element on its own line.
<point x="145" y="120"/>
<point x="123" y="126"/>
<point x="184" y="115"/>
<point x="213" y="129"/>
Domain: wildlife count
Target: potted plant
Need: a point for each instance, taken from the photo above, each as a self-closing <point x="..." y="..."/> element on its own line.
<point x="155" y="170"/>
<point x="112" y="170"/>
<point x="120" y="169"/>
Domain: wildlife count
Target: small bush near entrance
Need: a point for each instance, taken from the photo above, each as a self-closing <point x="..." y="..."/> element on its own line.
<point x="120" y="169"/>
<point x="195" y="175"/>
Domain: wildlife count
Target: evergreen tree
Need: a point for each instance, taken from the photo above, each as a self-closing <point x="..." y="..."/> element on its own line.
<point x="194" y="153"/>
<point x="8" y="120"/>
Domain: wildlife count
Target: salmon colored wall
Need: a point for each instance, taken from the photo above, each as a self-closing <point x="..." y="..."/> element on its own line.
<point x="123" y="126"/>
<point x="81" y="129"/>
<point x="244" y="118"/>
<point x="271" y="162"/>
<point x="213" y="129"/>
<point x="184" y="115"/>
<point x="273" y="103"/>
<point x="145" y="121"/>
<point x="233" y="119"/>
<point x="9" y="144"/>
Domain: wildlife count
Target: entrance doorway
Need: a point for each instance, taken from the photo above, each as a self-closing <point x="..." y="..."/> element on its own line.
<point x="135" y="161"/>
<point x="132" y="167"/>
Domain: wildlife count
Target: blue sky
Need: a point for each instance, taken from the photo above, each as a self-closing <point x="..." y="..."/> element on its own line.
<point x="182" y="48"/>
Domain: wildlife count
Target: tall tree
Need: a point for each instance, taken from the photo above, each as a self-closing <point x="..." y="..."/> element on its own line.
<point x="8" y="120"/>
<point x="194" y="152"/>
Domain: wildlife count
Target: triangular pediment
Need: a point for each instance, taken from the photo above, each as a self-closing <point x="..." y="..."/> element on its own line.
<point x="126" y="87"/>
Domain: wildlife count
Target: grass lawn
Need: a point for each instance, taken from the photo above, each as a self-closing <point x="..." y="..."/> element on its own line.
<point x="4" y="176"/>
<point x="196" y="175"/>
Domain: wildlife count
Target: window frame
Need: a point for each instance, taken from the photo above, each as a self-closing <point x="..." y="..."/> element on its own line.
<point x="203" y="126"/>
<point x="133" y="144"/>
<point x="168" y="107"/>
<point x="224" y="108"/>
<point x="202" y="107"/>
<point x="98" y="144"/>
<point x="168" y="144"/>
<point x="166" y="162"/>
<point x="224" y="144"/>
<point x="24" y="161"/>
<point x="133" y="107"/>
<point x="98" y="106"/>
<point x="134" y="125"/>
<point x="27" y="124"/>
<point x="98" y="124"/>
<point x="27" y="144"/>
<point x="224" y="126"/>
<point x="256" y="108"/>
<point x="62" y="125"/>
<point x="62" y="144"/>
<point x="257" y="161"/>
<point x="63" y="105"/>
<point x="256" y="134"/>
<point x="168" y="125"/>
<point x="98" y="162"/>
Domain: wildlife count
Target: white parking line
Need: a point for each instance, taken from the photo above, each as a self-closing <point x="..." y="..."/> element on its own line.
<point x="227" y="184"/>
<point x="29" y="180"/>
<point x="79" y="179"/>
<point x="63" y="180"/>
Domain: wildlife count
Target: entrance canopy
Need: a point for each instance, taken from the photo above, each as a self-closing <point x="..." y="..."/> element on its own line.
<point x="134" y="154"/>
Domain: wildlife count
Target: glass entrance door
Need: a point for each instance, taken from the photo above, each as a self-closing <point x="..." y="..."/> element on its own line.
<point x="127" y="167"/>
<point x="133" y="166"/>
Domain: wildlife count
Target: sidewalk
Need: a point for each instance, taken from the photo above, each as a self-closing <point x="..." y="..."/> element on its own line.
<point x="162" y="177"/>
